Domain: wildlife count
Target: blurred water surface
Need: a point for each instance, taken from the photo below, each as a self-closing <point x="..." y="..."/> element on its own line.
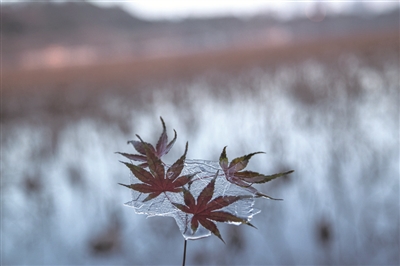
<point x="336" y="123"/>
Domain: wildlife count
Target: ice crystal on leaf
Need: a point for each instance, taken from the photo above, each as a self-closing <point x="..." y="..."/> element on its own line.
<point x="158" y="181"/>
<point x="196" y="193"/>
<point x="245" y="179"/>
<point x="162" y="147"/>
<point x="205" y="210"/>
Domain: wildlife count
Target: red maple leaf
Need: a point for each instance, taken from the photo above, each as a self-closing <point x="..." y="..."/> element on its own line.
<point x="234" y="174"/>
<point x="158" y="180"/>
<point x="162" y="147"/>
<point x="205" y="210"/>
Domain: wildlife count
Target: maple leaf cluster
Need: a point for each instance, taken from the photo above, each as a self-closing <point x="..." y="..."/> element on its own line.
<point x="170" y="188"/>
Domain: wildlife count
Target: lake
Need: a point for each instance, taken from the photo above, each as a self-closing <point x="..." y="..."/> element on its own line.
<point x="335" y="122"/>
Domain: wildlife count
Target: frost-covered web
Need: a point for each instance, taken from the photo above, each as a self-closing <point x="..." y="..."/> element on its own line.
<point x="196" y="193"/>
<point x="204" y="171"/>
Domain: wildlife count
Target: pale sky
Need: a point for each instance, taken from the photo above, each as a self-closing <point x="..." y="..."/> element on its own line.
<point x="176" y="9"/>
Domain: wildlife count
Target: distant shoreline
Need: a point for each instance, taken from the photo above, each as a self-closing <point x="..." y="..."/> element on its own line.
<point x="129" y="72"/>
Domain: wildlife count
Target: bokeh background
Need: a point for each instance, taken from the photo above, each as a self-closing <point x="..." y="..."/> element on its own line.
<point x="314" y="85"/>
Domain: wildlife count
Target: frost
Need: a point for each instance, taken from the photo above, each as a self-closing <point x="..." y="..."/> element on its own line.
<point x="196" y="193"/>
<point x="204" y="171"/>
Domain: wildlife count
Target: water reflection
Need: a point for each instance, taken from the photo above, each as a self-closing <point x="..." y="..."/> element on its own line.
<point x="335" y="123"/>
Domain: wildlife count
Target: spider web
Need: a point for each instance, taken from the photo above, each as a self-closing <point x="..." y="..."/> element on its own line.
<point x="203" y="172"/>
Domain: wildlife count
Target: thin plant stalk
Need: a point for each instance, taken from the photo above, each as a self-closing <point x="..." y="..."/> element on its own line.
<point x="184" y="253"/>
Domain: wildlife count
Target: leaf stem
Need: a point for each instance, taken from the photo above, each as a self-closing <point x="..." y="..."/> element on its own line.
<point x="184" y="253"/>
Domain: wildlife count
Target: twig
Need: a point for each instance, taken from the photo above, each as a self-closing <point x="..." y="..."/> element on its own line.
<point x="184" y="254"/>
